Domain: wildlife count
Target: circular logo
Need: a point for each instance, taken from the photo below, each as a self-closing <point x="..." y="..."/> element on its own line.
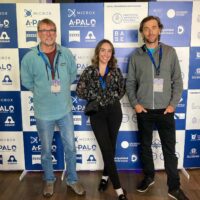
<point x="124" y="144"/>
<point x="11" y="108"/>
<point x="125" y="118"/>
<point x="171" y="13"/>
<point x="117" y="18"/>
<point x="180" y="30"/>
<point x="134" y="158"/>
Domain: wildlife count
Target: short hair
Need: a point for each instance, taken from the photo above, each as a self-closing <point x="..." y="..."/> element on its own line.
<point x="146" y="19"/>
<point x="45" y="21"/>
<point x="112" y="63"/>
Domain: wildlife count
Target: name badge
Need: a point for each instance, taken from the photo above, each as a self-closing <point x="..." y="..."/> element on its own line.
<point x="55" y="86"/>
<point x="158" y="84"/>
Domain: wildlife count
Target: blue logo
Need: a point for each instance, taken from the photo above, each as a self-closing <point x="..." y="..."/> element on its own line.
<point x="79" y="158"/>
<point x="124" y="36"/>
<point x="32" y="121"/>
<point x="27" y="13"/>
<point x="31" y="36"/>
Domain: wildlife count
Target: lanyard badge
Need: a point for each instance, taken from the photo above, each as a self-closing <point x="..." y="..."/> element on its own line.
<point x="103" y="79"/>
<point x="157" y="68"/>
<point x="55" y="86"/>
<point x="47" y="63"/>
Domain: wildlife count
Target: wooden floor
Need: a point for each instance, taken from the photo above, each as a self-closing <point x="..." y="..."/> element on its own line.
<point x="30" y="188"/>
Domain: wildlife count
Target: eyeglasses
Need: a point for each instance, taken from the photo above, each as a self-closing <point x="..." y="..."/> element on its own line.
<point x="47" y="31"/>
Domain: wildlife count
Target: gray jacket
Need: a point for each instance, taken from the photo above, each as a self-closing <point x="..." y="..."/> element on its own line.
<point x="141" y="74"/>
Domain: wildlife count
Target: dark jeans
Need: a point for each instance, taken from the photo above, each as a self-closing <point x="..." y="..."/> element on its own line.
<point x="106" y="124"/>
<point x="165" y="125"/>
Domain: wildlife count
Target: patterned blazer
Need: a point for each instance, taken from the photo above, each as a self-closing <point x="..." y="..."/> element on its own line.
<point x="89" y="86"/>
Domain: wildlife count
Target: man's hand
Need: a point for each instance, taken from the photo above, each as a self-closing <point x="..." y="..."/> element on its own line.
<point x="169" y="109"/>
<point x="139" y="108"/>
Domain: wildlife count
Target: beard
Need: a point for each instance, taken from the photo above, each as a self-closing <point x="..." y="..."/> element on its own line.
<point x="151" y="40"/>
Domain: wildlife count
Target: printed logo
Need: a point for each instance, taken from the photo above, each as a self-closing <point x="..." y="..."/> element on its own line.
<point x="27" y="13"/>
<point x="83" y="147"/>
<point x="5" y="24"/>
<point x="7" y="148"/>
<point x="7" y="67"/>
<point x="134" y="158"/>
<point x="90" y="37"/>
<point x="156" y="144"/>
<point x="125" y="118"/>
<point x="31" y="36"/>
<point x="74" y="36"/>
<point x="12" y="160"/>
<point x="32" y="121"/>
<point x="71" y="12"/>
<point x="5" y="109"/>
<point x="117" y="18"/>
<point x="79" y="158"/>
<point x="36" y="159"/>
<point x="7" y="80"/>
<point x="4" y="38"/>
<point x="34" y="140"/>
<point x="77" y="120"/>
<point x="9" y="121"/>
<point x="171" y="13"/>
<point x="180" y="30"/>
<point x="124" y="144"/>
<point x="91" y="159"/>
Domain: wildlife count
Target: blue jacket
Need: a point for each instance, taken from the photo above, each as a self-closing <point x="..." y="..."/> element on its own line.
<point x="37" y="78"/>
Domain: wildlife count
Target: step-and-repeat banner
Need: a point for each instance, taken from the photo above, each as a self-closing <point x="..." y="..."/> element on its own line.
<point x="80" y="27"/>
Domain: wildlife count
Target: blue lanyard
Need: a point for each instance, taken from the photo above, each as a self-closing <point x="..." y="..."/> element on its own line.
<point x="47" y="63"/>
<point x="103" y="80"/>
<point x="153" y="61"/>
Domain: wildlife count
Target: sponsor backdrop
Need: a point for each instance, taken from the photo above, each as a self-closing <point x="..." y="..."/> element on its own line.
<point x="80" y="28"/>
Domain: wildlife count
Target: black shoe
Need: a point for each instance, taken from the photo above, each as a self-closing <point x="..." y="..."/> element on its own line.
<point x="124" y="191"/>
<point x="145" y="184"/>
<point x="177" y="194"/>
<point x="122" y="197"/>
<point x="103" y="185"/>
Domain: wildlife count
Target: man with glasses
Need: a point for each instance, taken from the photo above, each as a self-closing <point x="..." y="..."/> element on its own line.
<point x="48" y="70"/>
<point x="154" y="87"/>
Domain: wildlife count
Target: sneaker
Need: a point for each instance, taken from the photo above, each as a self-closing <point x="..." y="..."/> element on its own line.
<point x="77" y="188"/>
<point x="177" y="194"/>
<point x="122" y="197"/>
<point x="145" y="184"/>
<point x="48" y="189"/>
<point x="103" y="185"/>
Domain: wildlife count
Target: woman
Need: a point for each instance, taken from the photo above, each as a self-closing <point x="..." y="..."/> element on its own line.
<point x="103" y="82"/>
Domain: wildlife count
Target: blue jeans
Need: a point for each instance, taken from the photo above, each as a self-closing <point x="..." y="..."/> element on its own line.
<point x="46" y="131"/>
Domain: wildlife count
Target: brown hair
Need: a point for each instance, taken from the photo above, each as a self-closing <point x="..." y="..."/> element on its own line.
<point x="45" y="21"/>
<point x="146" y="19"/>
<point x="95" y="60"/>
